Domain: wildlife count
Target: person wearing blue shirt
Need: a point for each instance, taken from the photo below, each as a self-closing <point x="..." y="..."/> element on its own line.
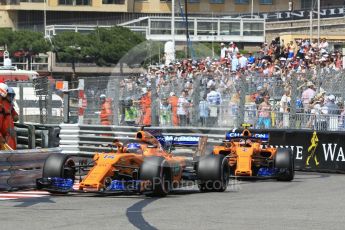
<point x="251" y="58"/>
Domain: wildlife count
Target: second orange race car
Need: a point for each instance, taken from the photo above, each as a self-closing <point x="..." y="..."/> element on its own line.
<point x="249" y="156"/>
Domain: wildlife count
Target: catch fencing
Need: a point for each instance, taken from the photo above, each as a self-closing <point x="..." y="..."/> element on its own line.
<point x="236" y="107"/>
<point x="20" y="168"/>
<point x="38" y="101"/>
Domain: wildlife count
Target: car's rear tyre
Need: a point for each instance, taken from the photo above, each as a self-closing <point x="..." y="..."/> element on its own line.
<point x="213" y="173"/>
<point x="157" y="171"/>
<point x="59" y="165"/>
<point x="284" y="162"/>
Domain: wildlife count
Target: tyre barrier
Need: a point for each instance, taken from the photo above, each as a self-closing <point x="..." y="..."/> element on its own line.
<point x="20" y="168"/>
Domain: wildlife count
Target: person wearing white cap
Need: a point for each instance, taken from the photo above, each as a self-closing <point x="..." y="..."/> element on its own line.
<point x="332" y="107"/>
<point x="233" y="50"/>
<point x="307" y="96"/>
<point x="223" y="50"/>
<point x="332" y="110"/>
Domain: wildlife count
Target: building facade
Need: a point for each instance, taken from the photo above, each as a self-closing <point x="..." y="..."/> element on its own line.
<point x="30" y="13"/>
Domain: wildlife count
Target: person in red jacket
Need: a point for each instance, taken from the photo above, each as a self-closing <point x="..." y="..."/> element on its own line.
<point x="8" y="125"/>
<point x="106" y="110"/>
<point x="7" y="117"/>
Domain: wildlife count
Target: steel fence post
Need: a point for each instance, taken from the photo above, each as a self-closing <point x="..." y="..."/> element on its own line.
<point x="292" y="119"/>
<point x="31" y="137"/>
<point x="21" y="102"/>
<point x="241" y="107"/>
<point x="49" y="105"/>
<point x="154" y="103"/>
<point x="196" y="101"/>
<point x="116" y="101"/>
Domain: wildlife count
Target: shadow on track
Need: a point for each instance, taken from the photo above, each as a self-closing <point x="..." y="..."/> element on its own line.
<point x="135" y="214"/>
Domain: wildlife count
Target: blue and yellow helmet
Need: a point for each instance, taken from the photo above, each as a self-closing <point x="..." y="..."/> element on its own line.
<point x="133" y="148"/>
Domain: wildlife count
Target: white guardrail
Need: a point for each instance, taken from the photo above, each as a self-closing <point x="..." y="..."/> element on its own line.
<point x="82" y="140"/>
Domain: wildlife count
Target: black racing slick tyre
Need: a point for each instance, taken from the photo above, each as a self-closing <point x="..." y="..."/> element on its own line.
<point x="213" y="173"/>
<point x="284" y="162"/>
<point x="157" y="172"/>
<point x="59" y="165"/>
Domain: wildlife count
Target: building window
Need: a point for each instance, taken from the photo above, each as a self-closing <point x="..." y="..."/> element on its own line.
<point x="31" y="1"/>
<point x="241" y="1"/>
<point x="306" y="4"/>
<point x="83" y="2"/>
<point x="216" y="1"/>
<point x="66" y="2"/>
<point x="75" y="2"/>
<point x="266" y="2"/>
<point x="113" y="1"/>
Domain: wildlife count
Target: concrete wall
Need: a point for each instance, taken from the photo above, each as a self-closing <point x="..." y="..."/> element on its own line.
<point x="8" y="19"/>
<point x="332" y="28"/>
<point x="158" y="6"/>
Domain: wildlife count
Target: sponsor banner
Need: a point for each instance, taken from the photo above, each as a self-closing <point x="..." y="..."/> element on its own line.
<point x="264" y="137"/>
<point x="295" y="15"/>
<point x="313" y="150"/>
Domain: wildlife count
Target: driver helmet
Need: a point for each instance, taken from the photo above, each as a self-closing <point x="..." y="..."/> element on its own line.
<point x="134" y="148"/>
<point x="242" y="141"/>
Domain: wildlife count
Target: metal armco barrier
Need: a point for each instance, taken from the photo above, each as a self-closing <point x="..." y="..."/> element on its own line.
<point x="315" y="151"/>
<point x="21" y="168"/>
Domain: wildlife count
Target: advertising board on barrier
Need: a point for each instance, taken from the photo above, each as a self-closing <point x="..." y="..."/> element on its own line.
<point x="320" y="151"/>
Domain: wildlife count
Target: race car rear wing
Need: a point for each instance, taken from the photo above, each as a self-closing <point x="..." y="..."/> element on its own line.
<point x="170" y="140"/>
<point x="175" y="140"/>
<point x="263" y="137"/>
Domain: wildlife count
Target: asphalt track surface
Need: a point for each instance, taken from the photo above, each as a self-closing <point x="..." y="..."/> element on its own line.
<point x="311" y="201"/>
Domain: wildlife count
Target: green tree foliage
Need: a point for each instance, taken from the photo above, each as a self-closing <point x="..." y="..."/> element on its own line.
<point x="28" y="41"/>
<point x="102" y="46"/>
<point x="6" y="37"/>
<point x="70" y="46"/>
<point x="31" y="41"/>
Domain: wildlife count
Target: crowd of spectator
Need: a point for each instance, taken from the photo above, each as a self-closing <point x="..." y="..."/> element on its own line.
<point x="267" y="86"/>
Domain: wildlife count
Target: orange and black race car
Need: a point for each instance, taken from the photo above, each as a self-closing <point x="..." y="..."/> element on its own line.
<point x="249" y="155"/>
<point x="145" y="165"/>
